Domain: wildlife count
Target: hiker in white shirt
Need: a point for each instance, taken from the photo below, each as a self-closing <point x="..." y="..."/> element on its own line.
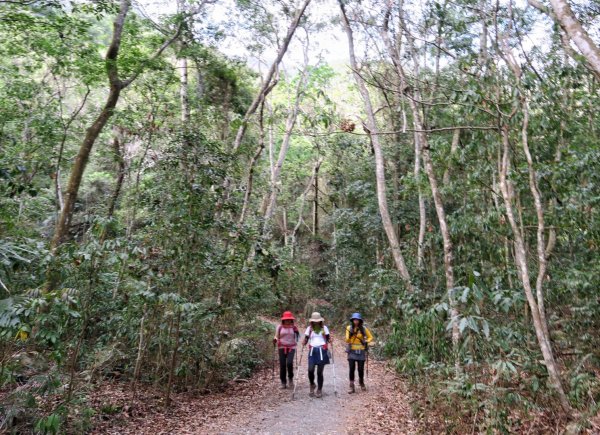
<point x="317" y="337"/>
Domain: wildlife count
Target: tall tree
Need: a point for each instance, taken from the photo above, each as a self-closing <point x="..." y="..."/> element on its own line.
<point x="424" y="147"/>
<point x="116" y="86"/>
<point x="373" y="133"/>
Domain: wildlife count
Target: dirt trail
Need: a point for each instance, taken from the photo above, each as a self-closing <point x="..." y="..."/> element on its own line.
<point x="306" y="415"/>
<point x="258" y="406"/>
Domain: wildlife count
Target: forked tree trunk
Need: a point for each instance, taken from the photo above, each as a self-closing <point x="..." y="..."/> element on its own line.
<point x="433" y="182"/>
<point x="266" y="86"/>
<point x="520" y="254"/>
<point x="388" y="226"/>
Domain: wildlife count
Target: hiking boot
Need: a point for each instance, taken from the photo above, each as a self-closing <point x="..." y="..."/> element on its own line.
<point x="319" y="394"/>
<point x="363" y="387"/>
<point x="312" y="390"/>
<point x="283" y="386"/>
<point x="351" y="390"/>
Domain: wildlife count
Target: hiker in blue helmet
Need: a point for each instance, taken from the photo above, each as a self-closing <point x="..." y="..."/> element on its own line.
<point x="358" y="337"/>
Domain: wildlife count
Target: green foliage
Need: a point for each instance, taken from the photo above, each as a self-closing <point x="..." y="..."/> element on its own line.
<point x="159" y="272"/>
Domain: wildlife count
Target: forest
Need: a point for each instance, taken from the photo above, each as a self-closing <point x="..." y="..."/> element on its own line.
<point x="175" y="174"/>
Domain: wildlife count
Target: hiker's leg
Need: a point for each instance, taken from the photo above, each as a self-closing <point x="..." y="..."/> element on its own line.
<point x="320" y="369"/>
<point x="361" y="372"/>
<point x="282" y="359"/>
<point x="311" y="374"/>
<point x="290" y="364"/>
<point x="352" y="366"/>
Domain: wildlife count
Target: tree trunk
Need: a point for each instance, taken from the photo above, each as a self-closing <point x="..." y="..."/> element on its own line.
<point x="433" y="182"/>
<point x="119" y="151"/>
<point x="379" y="159"/>
<point x="285" y="143"/>
<point x="523" y="269"/>
<point x="266" y="86"/>
<point x="422" y="210"/>
<point x="315" y="219"/>
<point x="285" y="227"/>
<point x="301" y="206"/>
<point x="571" y="25"/>
<point x="116" y="85"/>
<point x="64" y="219"/>
<point x="453" y="149"/>
<point x="184" y="92"/>
<point x="173" y="360"/>
<point x="140" y="353"/>
<point x="255" y="157"/>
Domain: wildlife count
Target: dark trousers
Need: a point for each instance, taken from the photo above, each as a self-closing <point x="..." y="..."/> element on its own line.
<point x="311" y="375"/>
<point x="286" y="364"/>
<point x="361" y="370"/>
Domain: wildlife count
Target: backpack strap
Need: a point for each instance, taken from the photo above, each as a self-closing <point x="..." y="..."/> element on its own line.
<point x="363" y="330"/>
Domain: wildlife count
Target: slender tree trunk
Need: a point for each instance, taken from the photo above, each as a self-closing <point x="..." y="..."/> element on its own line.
<point x="379" y="159"/>
<point x="422" y="209"/>
<point x="140" y="353"/>
<point x="184" y="92"/>
<point x="266" y="86"/>
<point x="255" y="158"/>
<point x="92" y="133"/>
<point x="309" y="186"/>
<point x="541" y="228"/>
<point x="433" y="182"/>
<point x="173" y="363"/>
<point x="453" y="149"/>
<point x="315" y="219"/>
<point x="285" y="227"/>
<point x="285" y="143"/>
<point x="119" y="151"/>
<point x="522" y="266"/>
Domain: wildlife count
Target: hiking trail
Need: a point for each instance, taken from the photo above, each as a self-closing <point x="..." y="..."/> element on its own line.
<point x="259" y="406"/>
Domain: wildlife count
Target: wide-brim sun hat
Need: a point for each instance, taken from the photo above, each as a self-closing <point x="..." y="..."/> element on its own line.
<point x="356" y="316"/>
<point x="316" y="317"/>
<point x="287" y="315"/>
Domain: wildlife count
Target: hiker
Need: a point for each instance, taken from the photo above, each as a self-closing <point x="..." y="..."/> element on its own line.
<point x="286" y="337"/>
<point x="358" y="338"/>
<point x="317" y="337"/>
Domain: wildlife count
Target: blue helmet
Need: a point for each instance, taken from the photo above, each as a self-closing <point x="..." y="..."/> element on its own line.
<point x="356" y="316"/>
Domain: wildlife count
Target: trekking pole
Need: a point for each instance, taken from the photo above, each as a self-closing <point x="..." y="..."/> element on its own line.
<point x="333" y="366"/>
<point x="297" y="374"/>
<point x="273" y="361"/>
<point x="367" y="351"/>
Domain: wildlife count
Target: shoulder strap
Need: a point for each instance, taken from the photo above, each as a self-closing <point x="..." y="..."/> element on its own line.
<point x="278" y="331"/>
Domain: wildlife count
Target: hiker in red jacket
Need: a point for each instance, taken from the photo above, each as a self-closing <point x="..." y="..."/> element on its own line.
<point x="286" y="338"/>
